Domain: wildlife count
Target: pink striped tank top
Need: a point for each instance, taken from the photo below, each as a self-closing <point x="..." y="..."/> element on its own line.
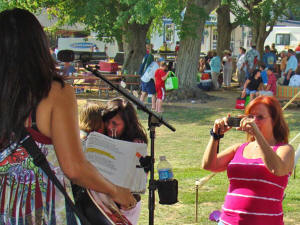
<point x="255" y="194"/>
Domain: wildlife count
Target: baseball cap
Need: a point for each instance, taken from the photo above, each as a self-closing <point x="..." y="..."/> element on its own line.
<point x="161" y="59"/>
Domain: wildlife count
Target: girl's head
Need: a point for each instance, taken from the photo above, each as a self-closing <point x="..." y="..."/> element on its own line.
<point x="90" y="118"/>
<point x="121" y="121"/>
<point x="227" y="52"/>
<point x="262" y="67"/>
<point x="256" y="73"/>
<point x="163" y="66"/>
<point x="27" y="70"/>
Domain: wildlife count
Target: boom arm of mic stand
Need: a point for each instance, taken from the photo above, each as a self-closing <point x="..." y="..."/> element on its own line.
<point x="132" y="98"/>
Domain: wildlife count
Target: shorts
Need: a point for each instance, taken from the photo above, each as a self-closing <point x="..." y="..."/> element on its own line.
<point x="160" y="92"/>
<point x="249" y="92"/>
<point x="148" y="87"/>
<point x="266" y="93"/>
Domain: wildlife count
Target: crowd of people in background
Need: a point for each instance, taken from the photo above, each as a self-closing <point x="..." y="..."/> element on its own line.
<point x="256" y="75"/>
<point x="153" y="74"/>
<point x="281" y="65"/>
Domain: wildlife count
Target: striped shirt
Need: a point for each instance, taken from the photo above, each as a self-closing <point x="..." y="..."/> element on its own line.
<point x="255" y="194"/>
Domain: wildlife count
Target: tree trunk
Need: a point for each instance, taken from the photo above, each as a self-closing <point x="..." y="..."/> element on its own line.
<point x="262" y="35"/>
<point x="120" y="43"/>
<point x="134" y="46"/>
<point x="189" y="53"/>
<point x="224" y="28"/>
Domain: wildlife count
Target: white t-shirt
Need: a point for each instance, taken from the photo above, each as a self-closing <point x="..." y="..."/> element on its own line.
<point x="150" y="72"/>
<point x="240" y="62"/>
<point x="295" y="81"/>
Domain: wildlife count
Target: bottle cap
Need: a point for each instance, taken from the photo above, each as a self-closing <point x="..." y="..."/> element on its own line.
<point x="162" y="158"/>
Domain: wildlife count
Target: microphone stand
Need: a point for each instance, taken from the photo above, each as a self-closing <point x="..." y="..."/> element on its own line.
<point x="154" y="120"/>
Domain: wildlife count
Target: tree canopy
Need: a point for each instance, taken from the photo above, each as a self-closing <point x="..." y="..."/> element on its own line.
<point x="260" y="16"/>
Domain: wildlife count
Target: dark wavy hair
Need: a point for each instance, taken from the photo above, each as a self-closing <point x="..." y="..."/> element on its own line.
<point x="280" y="127"/>
<point x="26" y="71"/>
<point x="133" y="129"/>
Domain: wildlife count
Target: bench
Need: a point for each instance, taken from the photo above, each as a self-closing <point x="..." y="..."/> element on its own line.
<point x="287" y="93"/>
<point x="84" y="83"/>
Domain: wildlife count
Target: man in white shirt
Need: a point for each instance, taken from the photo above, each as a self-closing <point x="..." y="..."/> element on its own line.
<point x="291" y="67"/>
<point x="252" y="58"/>
<point x="241" y="67"/>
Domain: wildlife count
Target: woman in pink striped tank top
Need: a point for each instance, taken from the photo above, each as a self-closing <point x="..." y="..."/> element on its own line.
<point x="258" y="170"/>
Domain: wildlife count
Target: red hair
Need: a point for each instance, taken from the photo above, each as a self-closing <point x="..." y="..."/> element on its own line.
<point x="280" y="127"/>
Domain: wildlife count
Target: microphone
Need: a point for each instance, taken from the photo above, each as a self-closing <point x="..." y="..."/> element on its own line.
<point x="66" y="56"/>
<point x="70" y="55"/>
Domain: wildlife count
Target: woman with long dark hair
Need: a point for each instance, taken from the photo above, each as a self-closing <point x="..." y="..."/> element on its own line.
<point x="121" y="122"/>
<point x="34" y="96"/>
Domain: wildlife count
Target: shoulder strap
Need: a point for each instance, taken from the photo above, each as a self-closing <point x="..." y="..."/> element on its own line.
<point x="39" y="160"/>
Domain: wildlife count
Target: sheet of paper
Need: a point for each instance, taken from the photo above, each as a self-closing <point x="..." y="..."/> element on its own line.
<point x="117" y="160"/>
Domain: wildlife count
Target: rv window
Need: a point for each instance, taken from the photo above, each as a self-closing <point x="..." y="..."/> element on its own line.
<point x="282" y="39"/>
<point x="169" y="29"/>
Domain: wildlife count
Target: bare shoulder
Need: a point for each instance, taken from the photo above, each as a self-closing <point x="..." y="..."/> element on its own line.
<point x="59" y="90"/>
<point x="234" y="148"/>
<point x="231" y="150"/>
<point x="60" y="97"/>
<point x="287" y="148"/>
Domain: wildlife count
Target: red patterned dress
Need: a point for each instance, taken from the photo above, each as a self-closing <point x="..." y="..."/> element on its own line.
<point x="27" y="196"/>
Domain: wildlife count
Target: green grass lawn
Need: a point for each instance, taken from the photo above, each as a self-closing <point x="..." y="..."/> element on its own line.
<point x="184" y="149"/>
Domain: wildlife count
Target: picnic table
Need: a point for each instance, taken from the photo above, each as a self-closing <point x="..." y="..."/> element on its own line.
<point x="284" y="92"/>
<point x="89" y="82"/>
<point x="169" y="56"/>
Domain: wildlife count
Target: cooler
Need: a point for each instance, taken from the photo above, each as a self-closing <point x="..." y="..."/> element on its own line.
<point x="205" y="85"/>
<point x="111" y="67"/>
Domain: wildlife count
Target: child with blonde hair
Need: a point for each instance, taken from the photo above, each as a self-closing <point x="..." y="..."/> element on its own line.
<point x="90" y="119"/>
<point x="161" y="75"/>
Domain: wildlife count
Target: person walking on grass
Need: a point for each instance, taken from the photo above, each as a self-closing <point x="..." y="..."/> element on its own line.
<point x="161" y="75"/>
<point x="215" y="66"/>
<point x="227" y="68"/>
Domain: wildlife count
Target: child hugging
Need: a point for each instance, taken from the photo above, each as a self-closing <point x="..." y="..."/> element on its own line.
<point x="117" y="119"/>
<point x="252" y="85"/>
<point x="90" y="119"/>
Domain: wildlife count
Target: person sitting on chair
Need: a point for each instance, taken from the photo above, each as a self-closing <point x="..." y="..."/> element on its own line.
<point x="67" y="69"/>
<point x="252" y="84"/>
<point x="164" y="47"/>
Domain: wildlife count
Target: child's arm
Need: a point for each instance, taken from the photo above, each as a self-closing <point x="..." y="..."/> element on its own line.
<point x="165" y="77"/>
<point x="244" y="90"/>
<point x="246" y="84"/>
<point x="268" y="87"/>
<point x="260" y="87"/>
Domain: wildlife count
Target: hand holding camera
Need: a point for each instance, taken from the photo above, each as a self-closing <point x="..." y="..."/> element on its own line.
<point x="234" y="121"/>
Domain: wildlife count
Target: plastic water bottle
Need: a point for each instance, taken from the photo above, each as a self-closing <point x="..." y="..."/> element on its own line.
<point x="164" y="168"/>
